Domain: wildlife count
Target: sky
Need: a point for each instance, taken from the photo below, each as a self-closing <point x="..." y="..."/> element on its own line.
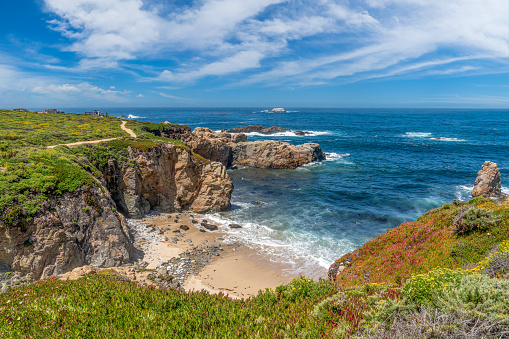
<point x="263" y="53"/>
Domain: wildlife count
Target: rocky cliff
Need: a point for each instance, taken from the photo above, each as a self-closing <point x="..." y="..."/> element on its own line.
<point x="72" y="230"/>
<point x="85" y="228"/>
<point x="167" y="178"/>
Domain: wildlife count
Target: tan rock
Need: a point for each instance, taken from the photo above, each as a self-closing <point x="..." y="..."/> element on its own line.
<point x="488" y="183"/>
<point x="275" y="154"/>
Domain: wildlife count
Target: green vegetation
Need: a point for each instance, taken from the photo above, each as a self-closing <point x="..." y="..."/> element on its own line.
<point x="443" y="275"/>
<point x="30" y="172"/>
<point x="429" y="242"/>
<point x="30" y="129"/>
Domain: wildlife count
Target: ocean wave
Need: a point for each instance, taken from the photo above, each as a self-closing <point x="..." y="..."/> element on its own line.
<point x="130" y="116"/>
<point x="429" y="136"/>
<point x="287" y="134"/>
<point x="447" y="139"/>
<point x="336" y="156"/>
<point x="285" y="247"/>
<point x="418" y="135"/>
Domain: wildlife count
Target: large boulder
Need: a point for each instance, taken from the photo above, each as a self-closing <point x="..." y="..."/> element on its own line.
<point x="170" y="179"/>
<point x="275" y="154"/>
<point x="488" y="183"/>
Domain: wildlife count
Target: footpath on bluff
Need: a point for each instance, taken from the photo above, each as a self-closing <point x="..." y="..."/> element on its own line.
<point x="122" y="126"/>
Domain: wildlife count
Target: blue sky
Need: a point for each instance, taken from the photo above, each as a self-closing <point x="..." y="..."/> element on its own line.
<point x="363" y="53"/>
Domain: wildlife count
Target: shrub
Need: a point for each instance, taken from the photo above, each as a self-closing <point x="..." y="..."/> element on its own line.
<point x="423" y="288"/>
<point x="496" y="264"/>
<point x="473" y="219"/>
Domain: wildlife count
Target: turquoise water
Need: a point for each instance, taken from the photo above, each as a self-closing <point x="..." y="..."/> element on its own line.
<point x="384" y="167"/>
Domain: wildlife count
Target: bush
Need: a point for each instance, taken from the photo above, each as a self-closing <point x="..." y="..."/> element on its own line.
<point x="424" y="288"/>
<point x="473" y="219"/>
<point x="496" y="264"/>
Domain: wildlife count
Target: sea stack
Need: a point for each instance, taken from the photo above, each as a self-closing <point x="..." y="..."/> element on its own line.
<point x="488" y="183"/>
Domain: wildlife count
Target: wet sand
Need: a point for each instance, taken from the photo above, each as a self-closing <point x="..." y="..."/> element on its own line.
<point x="233" y="269"/>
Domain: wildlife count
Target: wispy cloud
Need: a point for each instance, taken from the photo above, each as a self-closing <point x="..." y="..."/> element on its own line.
<point x="276" y="42"/>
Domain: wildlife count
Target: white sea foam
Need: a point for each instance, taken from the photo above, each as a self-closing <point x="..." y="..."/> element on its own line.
<point x="130" y="116"/>
<point x="418" y="135"/>
<point x="448" y="139"/>
<point x="336" y="156"/>
<point x="425" y="135"/>
<point x="305" y="253"/>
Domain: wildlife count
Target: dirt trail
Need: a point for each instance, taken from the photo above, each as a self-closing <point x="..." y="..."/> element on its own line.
<point x="122" y="126"/>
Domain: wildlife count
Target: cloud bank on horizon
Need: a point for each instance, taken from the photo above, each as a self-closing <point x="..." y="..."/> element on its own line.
<point x="158" y="50"/>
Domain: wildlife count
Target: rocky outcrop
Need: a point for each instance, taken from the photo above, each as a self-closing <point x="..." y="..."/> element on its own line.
<point x="275" y="154"/>
<point x="234" y="149"/>
<point x="167" y="178"/>
<point x="488" y="183"/>
<point x="257" y="129"/>
<point x="69" y="231"/>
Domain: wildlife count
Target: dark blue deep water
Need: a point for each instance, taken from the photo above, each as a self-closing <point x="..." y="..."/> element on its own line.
<point x="384" y="167"/>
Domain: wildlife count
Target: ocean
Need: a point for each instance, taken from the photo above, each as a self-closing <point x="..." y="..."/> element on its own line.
<point x="384" y="167"/>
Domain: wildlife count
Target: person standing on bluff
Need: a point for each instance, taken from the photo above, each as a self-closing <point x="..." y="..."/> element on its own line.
<point x="488" y="183"/>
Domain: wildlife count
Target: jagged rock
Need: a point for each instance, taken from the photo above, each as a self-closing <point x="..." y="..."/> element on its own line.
<point x="69" y="231"/>
<point x="275" y="154"/>
<point x="257" y="129"/>
<point x="488" y="183"/>
<point x="170" y="179"/>
<point x="231" y="150"/>
<point x="234" y="226"/>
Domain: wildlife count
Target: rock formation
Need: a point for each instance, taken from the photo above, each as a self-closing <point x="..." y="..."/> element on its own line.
<point x="234" y="149"/>
<point x="257" y="129"/>
<point x="488" y="183"/>
<point x="170" y="179"/>
<point x="69" y="231"/>
<point x="275" y="154"/>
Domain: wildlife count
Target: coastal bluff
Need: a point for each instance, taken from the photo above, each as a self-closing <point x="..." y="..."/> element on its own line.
<point x="88" y="227"/>
<point x="234" y="149"/>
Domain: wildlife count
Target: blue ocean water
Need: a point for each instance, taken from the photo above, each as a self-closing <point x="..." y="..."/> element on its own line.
<point x="384" y="167"/>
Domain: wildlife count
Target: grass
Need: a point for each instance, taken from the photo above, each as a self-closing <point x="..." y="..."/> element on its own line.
<point x="30" y="129"/>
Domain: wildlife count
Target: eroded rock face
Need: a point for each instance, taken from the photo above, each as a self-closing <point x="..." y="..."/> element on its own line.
<point x="488" y="183"/>
<point x="275" y="154"/>
<point x="170" y="179"/>
<point x="69" y="231"/>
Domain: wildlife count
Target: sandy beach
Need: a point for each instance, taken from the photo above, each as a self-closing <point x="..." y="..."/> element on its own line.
<point x="203" y="259"/>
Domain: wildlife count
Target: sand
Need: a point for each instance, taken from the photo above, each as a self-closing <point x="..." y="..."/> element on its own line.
<point x="239" y="273"/>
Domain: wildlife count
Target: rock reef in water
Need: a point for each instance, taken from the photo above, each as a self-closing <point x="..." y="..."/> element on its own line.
<point x="488" y="183"/>
<point x="257" y="129"/>
<point x="234" y="149"/>
<point x="275" y="154"/>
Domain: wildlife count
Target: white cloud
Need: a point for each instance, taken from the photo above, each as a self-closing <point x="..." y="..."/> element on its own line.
<point x="140" y="96"/>
<point x="55" y="89"/>
<point x="298" y="42"/>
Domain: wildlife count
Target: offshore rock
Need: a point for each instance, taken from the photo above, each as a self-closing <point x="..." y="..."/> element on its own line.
<point x="170" y="179"/>
<point x="488" y="183"/>
<point x="275" y="154"/>
<point x="257" y="129"/>
<point x="76" y="229"/>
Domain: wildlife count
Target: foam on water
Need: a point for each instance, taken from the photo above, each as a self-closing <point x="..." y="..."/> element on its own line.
<point x="306" y="253"/>
<point x="130" y="116"/>
<point x="426" y="135"/>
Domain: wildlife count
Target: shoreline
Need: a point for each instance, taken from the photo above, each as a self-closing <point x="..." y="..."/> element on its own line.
<point x="198" y="259"/>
